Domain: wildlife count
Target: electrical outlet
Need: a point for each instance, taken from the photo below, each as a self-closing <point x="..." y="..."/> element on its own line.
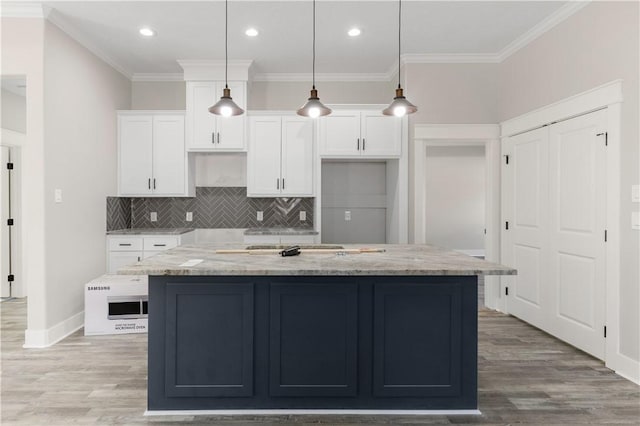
<point x="57" y="195"/>
<point x="153" y="216"/>
<point x="259" y="216"/>
<point x="303" y="215"/>
<point x="189" y="217"/>
<point x="347" y="215"/>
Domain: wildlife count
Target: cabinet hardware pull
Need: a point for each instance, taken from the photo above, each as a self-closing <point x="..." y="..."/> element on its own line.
<point x="124" y="245"/>
<point x="138" y="258"/>
<point x="159" y="245"/>
<point x="278" y="183"/>
<point x="358" y="144"/>
<point x="283" y="183"/>
<point x="364" y="141"/>
<point x="154" y="183"/>
<point x="218" y="137"/>
<point x="213" y="137"/>
<point x="149" y="183"/>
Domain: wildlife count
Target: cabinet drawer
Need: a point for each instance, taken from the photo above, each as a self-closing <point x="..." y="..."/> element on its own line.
<point x="125" y="243"/>
<point x="160" y="243"/>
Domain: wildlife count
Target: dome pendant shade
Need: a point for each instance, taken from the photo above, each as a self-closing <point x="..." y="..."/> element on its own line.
<point x="400" y="105"/>
<point x="225" y="106"/>
<point x="313" y="107"/>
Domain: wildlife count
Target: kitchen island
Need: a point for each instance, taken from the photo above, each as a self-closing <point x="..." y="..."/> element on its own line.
<point x="393" y="330"/>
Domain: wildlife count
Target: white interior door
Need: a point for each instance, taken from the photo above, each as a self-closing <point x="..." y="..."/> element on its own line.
<point x="135" y="142"/>
<point x="263" y="158"/>
<point x="297" y="156"/>
<point x="168" y="155"/>
<point x="577" y="224"/>
<point x="526" y="193"/>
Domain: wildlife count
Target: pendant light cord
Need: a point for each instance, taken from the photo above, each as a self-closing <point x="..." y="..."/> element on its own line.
<point x="399" y="31"/>
<point x="226" y="42"/>
<point x="313" y="68"/>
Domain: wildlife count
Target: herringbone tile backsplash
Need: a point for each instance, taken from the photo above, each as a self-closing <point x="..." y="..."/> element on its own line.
<point x="212" y="207"/>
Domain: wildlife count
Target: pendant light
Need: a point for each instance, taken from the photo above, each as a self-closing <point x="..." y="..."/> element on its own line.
<point x="225" y="106"/>
<point x="314" y="108"/>
<point x="400" y="105"/>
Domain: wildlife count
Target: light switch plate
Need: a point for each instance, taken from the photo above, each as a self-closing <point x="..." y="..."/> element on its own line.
<point x="259" y="216"/>
<point x="635" y="193"/>
<point x="635" y="220"/>
<point x="189" y="217"/>
<point x="347" y="215"/>
<point x="57" y="195"/>
<point x="303" y="215"/>
<point x="154" y="216"/>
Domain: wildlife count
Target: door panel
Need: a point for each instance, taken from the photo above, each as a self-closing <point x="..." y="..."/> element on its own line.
<point x="297" y="156"/>
<point x="263" y="158"/>
<point x="340" y="134"/>
<point x="201" y="124"/>
<point x="577" y="222"/>
<point x="381" y="135"/>
<point x="168" y="155"/>
<point x="135" y="153"/>
<point x="526" y="195"/>
<point x="230" y="130"/>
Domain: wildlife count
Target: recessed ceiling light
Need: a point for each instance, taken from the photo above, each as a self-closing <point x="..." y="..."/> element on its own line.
<point x="147" y="32"/>
<point x="354" y="32"/>
<point x="251" y="32"/>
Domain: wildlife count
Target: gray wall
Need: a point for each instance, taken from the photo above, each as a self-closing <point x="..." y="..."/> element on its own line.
<point x="596" y="45"/>
<point x="455" y="196"/>
<point x="165" y="95"/>
<point x="14" y="112"/>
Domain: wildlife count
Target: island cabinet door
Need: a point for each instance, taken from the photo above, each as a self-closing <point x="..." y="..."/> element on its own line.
<point x="418" y="347"/>
<point x="209" y="340"/>
<point x="313" y="340"/>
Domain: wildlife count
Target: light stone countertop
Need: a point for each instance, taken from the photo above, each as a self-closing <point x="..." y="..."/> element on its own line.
<point x="150" y="231"/>
<point x="280" y="231"/>
<point x="396" y="260"/>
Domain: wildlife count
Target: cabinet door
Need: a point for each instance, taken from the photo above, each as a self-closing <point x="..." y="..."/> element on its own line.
<point x="118" y="259"/>
<point x="201" y="124"/>
<point x="135" y="141"/>
<point x="340" y="134"/>
<point x="168" y="155"/>
<point x="230" y="130"/>
<point x="297" y="156"/>
<point x="381" y="134"/>
<point x="263" y="158"/>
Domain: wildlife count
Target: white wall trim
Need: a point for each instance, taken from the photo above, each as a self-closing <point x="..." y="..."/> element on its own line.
<point x="448" y="58"/>
<point x="306" y="77"/>
<point x="10" y="137"/>
<point x="463" y="135"/>
<point x="607" y="96"/>
<point x="157" y="77"/>
<point x="542" y="27"/>
<point x="51" y="336"/>
<point x="628" y="368"/>
<point x="23" y="10"/>
<point x="63" y="23"/>
<point x="582" y="103"/>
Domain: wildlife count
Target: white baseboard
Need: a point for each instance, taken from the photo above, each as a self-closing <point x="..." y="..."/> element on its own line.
<point x="279" y="412"/>
<point x="51" y="336"/>
<point x="628" y="368"/>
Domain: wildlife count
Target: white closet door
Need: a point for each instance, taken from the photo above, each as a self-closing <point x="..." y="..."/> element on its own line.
<point x="577" y="225"/>
<point x="526" y="203"/>
<point x="297" y="156"/>
<point x="168" y="155"/>
<point x="135" y="142"/>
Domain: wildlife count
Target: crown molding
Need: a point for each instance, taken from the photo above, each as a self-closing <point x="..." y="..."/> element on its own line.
<point x="14" y="9"/>
<point x="449" y="58"/>
<point x="216" y="69"/>
<point x="307" y="77"/>
<point x="157" y="77"/>
<point x="61" y="22"/>
<point x="542" y="27"/>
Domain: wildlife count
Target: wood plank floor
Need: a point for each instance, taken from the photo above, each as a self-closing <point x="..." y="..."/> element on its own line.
<point x="525" y="376"/>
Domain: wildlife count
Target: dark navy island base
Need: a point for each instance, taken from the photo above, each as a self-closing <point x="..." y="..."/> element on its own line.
<point x="312" y="342"/>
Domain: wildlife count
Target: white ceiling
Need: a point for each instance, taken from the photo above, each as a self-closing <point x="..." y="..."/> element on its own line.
<point x="195" y="30"/>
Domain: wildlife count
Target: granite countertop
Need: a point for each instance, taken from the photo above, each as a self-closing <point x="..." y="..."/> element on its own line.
<point x="150" y="231"/>
<point x="396" y="260"/>
<point x="280" y="231"/>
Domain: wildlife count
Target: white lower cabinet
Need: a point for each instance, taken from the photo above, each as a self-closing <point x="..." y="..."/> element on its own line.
<point x="124" y="250"/>
<point x="280" y="157"/>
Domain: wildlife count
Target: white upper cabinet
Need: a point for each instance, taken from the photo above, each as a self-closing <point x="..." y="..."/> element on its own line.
<point x="280" y="156"/>
<point x="349" y="134"/>
<point x="151" y="154"/>
<point x="206" y="132"/>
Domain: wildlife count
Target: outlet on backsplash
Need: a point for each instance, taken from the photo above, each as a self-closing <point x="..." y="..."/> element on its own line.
<point x="189" y="217"/>
<point x="153" y="216"/>
<point x="259" y="216"/>
<point x="303" y="215"/>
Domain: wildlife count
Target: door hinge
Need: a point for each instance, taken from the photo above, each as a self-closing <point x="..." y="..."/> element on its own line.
<point x="506" y="225"/>
<point x="10" y="222"/>
<point x="11" y="278"/>
<point x="506" y="159"/>
<point x="506" y="291"/>
<point x="605" y="331"/>
<point x="606" y="137"/>
<point x="605" y="235"/>
<point x="9" y="166"/>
